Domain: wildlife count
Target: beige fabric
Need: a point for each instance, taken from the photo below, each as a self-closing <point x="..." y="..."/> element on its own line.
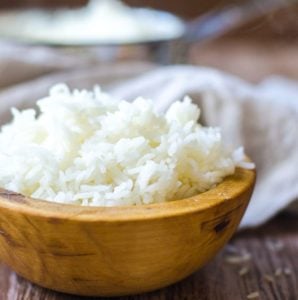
<point x="263" y="118"/>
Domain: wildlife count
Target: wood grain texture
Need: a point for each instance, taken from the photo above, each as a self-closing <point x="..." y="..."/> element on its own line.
<point x="120" y="250"/>
<point x="252" y="59"/>
<point x="218" y="280"/>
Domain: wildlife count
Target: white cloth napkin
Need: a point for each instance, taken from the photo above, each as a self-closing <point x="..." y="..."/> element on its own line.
<point x="262" y="118"/>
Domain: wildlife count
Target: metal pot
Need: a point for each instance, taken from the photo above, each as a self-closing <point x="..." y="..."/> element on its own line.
<point x="164" y="49"/>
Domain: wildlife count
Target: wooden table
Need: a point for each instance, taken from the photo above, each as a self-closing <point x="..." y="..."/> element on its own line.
<point x="262" y="260"/>
<point x="251" y="59"/>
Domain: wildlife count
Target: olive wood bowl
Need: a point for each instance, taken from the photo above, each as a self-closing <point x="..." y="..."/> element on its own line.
<point x="112" y="251"/>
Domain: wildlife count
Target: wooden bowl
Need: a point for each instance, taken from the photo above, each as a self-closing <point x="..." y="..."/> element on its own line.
<point x="121" y="250"/>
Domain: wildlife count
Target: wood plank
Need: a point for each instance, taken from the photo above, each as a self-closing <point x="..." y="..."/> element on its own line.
<point x="251" y="59"/>
<point x="273" y="249"/>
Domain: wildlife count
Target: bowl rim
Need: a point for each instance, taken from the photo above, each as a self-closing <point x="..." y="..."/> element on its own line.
<point x="233" y="186"/>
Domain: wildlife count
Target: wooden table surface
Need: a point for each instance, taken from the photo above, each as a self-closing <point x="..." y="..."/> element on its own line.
<point x="261" y="261"/>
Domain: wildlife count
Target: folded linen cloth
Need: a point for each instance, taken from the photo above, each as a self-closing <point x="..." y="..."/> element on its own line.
<point x="262" y="118"/>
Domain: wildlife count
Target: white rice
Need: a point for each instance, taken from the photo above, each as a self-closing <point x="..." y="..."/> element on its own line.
<point x="90" y="149"/>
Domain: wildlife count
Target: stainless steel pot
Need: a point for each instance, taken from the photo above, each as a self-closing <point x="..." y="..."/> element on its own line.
<point x="167" y="49"/>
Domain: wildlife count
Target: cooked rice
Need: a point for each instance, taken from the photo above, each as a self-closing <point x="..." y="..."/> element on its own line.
<point x="90" y="149"/>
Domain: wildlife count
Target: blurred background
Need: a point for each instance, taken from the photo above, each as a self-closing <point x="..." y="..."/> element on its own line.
<point x="264" y="45"/>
